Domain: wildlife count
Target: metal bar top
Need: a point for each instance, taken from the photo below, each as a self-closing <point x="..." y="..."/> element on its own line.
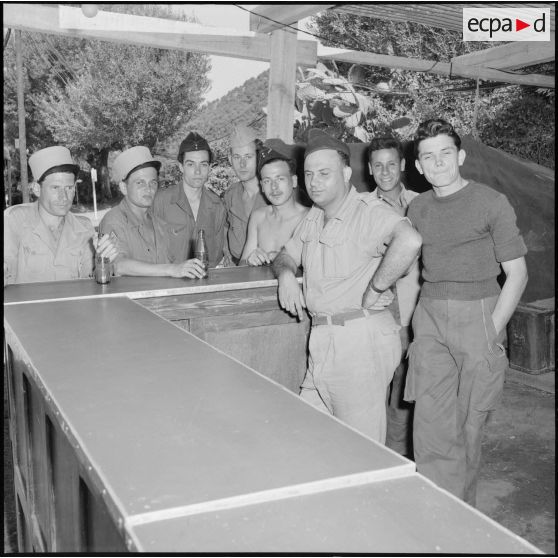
<point x="222" y="279"/>
<point x="172" y="426"/>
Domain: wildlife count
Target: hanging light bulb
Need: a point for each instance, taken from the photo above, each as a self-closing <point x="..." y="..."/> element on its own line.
<point x="89" y="10"/>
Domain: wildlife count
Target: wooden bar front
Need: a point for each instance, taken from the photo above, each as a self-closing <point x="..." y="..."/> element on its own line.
<point x="130" y="433"/>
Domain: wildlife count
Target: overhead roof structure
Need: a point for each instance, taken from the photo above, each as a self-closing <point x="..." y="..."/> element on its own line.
<point x="266" y="18"/>
<point x="273" y="37"/>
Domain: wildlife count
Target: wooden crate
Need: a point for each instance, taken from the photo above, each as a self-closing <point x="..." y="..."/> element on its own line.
<point x="531" y="337"/>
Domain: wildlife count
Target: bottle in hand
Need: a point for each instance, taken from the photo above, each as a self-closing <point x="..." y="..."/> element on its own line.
<point x="201" y="250"/>
<point x="103" y="268"/>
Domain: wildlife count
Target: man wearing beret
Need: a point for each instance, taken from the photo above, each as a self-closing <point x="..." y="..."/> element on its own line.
<point x="243" y="196"/>
<point x="271" y="226"/>
<point x="190" y="206"/>
<point x="43" y="240"/>
<point x="143" y="241"/>
<point x="352" y="248"/>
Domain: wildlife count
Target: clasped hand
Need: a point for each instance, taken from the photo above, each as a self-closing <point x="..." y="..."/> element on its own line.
<point x="372" y="300"/>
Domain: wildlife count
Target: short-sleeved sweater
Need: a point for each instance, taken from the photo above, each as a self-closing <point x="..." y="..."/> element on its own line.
<point x="466" y="236"/>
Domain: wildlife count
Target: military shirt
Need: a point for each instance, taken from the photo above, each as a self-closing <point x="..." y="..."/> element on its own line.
<point x="340" y="258"/>
<point x="31" y="253"/>
<point x="408" y="286"/>
<point x="172" y="206"/>
<point x="237" y="218"/>
<point x="134" y="241"/>
<point x="403" y="201"/>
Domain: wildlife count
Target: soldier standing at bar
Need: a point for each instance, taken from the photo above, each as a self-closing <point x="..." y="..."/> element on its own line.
<point x="143" y="240"/>
<point x="271" y="226"/>
<point x="243" y="196"/>
<point x="386" y="163"/>
<point x="43" y="240"/>
<point x="352" y="248"/>
<point x="456" y="361"/>
<point x="190" y="206"/>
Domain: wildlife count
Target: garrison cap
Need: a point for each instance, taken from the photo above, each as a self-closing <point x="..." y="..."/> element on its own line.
<point x="318" y="140"/>
<point x="50" y="157"/>
<point x="242" y="135"/>
<point x="193" y="142"/>
<point x="271" y="150"/>
<point x="130" y="159"/>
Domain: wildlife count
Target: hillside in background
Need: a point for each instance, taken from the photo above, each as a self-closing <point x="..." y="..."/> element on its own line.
<point x="242" y="105"/>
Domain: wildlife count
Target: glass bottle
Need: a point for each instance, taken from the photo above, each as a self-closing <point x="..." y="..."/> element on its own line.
<point x="201" y="250"/>
<point x="103" y="267"/>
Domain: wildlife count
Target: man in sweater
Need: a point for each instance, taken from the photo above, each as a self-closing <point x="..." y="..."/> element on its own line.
<point x="386" y="163"/>
<point x="457" y="362"/>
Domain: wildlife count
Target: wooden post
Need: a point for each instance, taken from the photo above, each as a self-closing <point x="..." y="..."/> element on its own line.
<point x="21" y="119"/>
<point x="282" y="81"/>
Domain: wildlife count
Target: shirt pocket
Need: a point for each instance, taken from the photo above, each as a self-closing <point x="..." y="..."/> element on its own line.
<point x="340" y="255"/>
<point x="37" y="258"/>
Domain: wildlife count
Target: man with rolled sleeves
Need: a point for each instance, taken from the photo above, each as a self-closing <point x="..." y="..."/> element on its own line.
<point x="43" y="240"/>
<point x="386" y="163"/>
<point x="456" y="361"/>
<point x="191" y="206"/>
<point x="352" y="248"/>
<point x="244" y="196"/>
<point x="143" y="241"/>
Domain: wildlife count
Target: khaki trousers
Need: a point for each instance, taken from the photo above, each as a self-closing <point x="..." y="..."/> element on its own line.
<point x="349" y="370"/>
<point x="456" y="376"/>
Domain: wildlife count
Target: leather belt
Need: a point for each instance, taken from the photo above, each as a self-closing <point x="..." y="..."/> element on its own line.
<point x="343" y="317"/>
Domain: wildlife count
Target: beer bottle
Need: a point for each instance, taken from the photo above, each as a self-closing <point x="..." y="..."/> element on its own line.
<point x="201" y="250"/>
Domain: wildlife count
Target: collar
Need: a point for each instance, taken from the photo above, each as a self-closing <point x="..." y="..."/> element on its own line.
<point x="346" y="209"/>
<point x="377" y="193"/>
<point x="130" y="216"/>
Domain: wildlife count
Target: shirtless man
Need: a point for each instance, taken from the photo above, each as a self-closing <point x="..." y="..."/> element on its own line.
<point x="270" y="227"/>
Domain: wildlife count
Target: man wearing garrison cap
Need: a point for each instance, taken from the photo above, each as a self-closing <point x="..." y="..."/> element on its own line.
<point x="43" y="240"/>
<point x="271" y="226"/>
<point x="352" y="248"/>
<point x="243" y="196"/>
<point x="191" y="206"/>
<point x="143" y="242"/>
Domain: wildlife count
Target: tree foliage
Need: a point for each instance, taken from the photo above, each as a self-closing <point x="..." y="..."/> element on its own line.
<point x="517" y="119"/>
<point x="214" y="121"/>
<point x="95" y="96"/>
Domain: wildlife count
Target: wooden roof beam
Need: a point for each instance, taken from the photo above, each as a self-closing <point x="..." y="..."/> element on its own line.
<point x="193" y="38"/>
<point x="429" y="66"/>
<point x="265" y="18"/>
<point x="511" y="55"/>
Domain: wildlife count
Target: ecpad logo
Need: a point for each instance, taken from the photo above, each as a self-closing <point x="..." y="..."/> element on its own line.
<point x="506" y="24"/>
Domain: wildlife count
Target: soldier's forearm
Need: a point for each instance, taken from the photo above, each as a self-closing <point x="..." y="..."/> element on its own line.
<point x="283" y="263"/>
<point x="400" y="255"/>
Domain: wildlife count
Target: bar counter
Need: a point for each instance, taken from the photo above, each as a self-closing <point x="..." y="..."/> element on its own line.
<point x="132" y="434"/>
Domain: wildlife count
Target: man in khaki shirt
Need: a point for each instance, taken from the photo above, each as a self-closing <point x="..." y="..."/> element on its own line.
<point x="190" y="206"/>
<point x="386" y="163"/>
<point x="143" y="240"/>
<point x="43" y="240"/>
<point x="245" y="196"/>
<point x="352" y="248"/>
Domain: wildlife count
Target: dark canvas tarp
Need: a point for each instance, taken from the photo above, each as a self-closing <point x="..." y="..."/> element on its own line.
<point x="529" y="188"/>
